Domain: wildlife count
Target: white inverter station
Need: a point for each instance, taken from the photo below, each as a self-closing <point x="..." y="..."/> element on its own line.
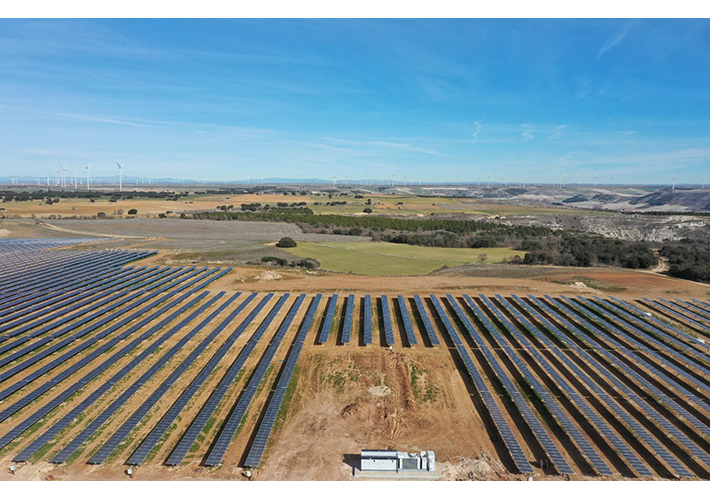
<point x="394" y="461"/>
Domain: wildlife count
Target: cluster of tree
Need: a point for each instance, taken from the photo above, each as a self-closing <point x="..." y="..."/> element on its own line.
<point x="688" y="260"/>
<point x="41" y="194"/>
<point x="585" y="250"/>
<point x="308" y="220"/>
<point x="303" y="263"/>
<point x="542" y="245"/>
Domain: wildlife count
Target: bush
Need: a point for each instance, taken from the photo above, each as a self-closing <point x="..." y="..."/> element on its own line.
<point x="132" y="211"/>
<point x="368" y="210"/>
<point x="101" y="215"/>
<point x="307" y="263"/>
<point x="276" y="260"/>
<point x="286" y="242"/>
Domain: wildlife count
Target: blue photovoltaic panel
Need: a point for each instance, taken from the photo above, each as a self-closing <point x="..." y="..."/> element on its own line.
<point x="387" y="320"/>
<point x="93" y="397"/>
<point x="367" y="320"/>
<point x="208" y="409"/>
<point x="266" y="425"/>
<point x="521" y="403"/>
<point x="429" y="330"/>
<point x="489" y="401"/>
<point x="549" y="400"/>
<point x="229" y="429"/>
<point x="328" y="321"/>
<point x="667" y="426"/>
<point x="58" y="400"/>
<point x="348" y="319"/>
<point x="406" y="320"/>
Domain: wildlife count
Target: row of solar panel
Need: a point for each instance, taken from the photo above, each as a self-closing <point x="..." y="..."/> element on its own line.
<point x="660" y="451"/>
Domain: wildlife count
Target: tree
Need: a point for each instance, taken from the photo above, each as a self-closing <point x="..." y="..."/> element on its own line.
<point x="368" y="210"/>
<point x="286" y="242"/>
<point x="132" y="211"/>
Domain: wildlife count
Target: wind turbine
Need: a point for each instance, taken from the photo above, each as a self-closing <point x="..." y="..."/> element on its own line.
<point x="488" y="182"/>
<point x="595" y="180"/>
<point x="579" y="180"/>
<point x="88" y="177"/>
<point x="703" y="186"/>
<point x="673" y="182"/>
<point x="120" y="177"/>
<point x="75" y="177"/>
<point x="614" y="184"/>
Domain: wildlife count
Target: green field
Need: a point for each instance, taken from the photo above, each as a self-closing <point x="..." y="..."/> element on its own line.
<point x="391" y="259"/>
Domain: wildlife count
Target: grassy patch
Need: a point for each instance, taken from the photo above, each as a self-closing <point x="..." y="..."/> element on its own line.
<point x="392" y="259"/>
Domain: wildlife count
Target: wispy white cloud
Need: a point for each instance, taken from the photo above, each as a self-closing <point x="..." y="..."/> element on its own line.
<point x="479" y="127"/>
<point x="615" y="40"/>
<point x="390" y="144"/>
<point x="528" y="130"/>
<point x="558" y="132"/>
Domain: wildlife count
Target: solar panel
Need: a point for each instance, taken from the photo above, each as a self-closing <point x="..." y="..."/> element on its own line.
<point x="76" y="350"/>
<point x="661" y="421"/>
<point x="198" y="424"/>
<point x="328" y="321"/>
<point x="630" y="373"/>
<point x="406" y="320"/>
<point x="367" y="320"/>
<point x="135" y="361"/>
<point x="550" y="402"/>
<point x="387" y="320"/>
<point x="651" y="353"/>
<point x="659" y="325"/>
<point x="56" y="401"/>
<point x="229" y="429"/>
<point x="512" y="444"/>
<point x="348" y="320"/>
<point x="520" y="402"/>
<point x="646" y="333"/>
<point x="263" y="432"/>
<point x="429" y="330"/>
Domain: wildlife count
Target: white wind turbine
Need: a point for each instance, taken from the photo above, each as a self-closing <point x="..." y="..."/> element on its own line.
<point x="614" y="184"/>
<point x="703" y="185"/>
<point x="75" y="185"/>
<point x="88" y="177"/>
<point x="595" y="180"/>
<point x="488" y="182"/>
<point x="120" y="177"/>
<point x="673" y="182"/>
<point x="579" y="180"/>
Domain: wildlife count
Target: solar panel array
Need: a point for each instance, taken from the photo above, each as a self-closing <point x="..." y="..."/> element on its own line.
<point x="84" y="335"/>
<point x="406" y="320"/>
<point x="387" y="320"/>
<point x="348" y="319"/>
<point x="328" y="320"/>
<point x="258" y="446"/>
<point x="367" y="320"/>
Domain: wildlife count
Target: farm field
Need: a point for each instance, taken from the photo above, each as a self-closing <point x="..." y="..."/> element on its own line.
<point x="392" y="259"/>
<point x="107" y="359"/>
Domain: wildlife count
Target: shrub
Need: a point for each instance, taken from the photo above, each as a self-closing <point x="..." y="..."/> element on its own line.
<point x="286" y="242"/>
<point x="368" y="210"/>
<point x="276" y="260"/>
<point x="132" y="211"/>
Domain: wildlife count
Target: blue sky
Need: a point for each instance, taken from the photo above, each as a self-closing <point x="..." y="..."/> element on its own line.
<point x="438" y="100"/>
